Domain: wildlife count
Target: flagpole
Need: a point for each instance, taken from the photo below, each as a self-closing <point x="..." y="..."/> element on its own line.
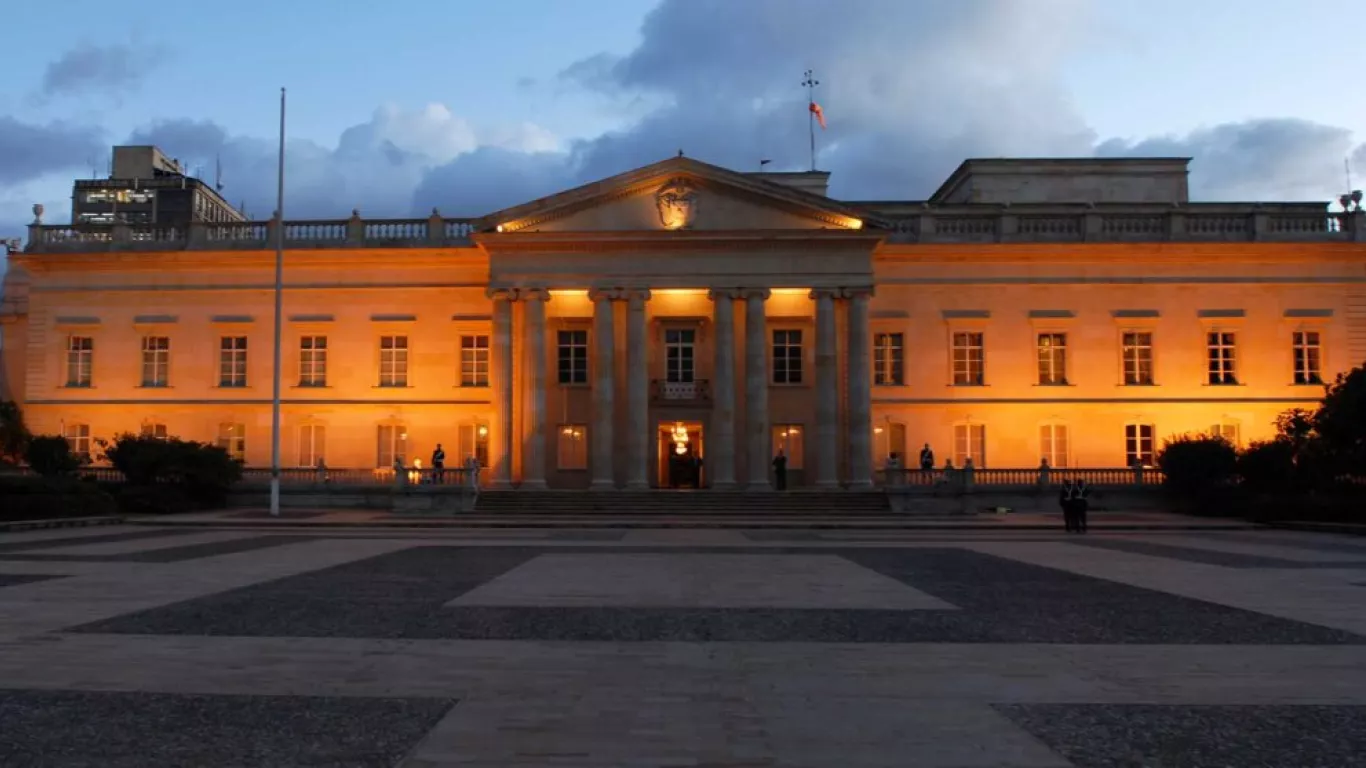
<point x="279" y="312"/>
<point x="811" y="82"/>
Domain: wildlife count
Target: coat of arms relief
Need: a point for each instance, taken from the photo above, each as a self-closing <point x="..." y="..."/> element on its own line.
<point x="677" y="204"/>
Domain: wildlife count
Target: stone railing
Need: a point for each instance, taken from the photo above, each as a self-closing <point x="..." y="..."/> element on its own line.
<point x="355" y="232"/>
<point x="965" y="479"/>
<point x="1194" y="222"/>
<point x="680" y="392"/>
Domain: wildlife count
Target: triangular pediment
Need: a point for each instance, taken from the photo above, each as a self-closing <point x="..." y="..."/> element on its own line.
<point x="677" y="194"/>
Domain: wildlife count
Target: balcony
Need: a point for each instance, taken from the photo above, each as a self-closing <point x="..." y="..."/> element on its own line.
<point x="695" y="392"/>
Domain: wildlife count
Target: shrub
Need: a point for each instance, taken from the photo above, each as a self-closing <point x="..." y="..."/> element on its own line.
<point x="51" y="456"/>
<point x="201" y="474"/>
<point x="1197" y="464"/>
<point x="154" y="500"/>
<point x="1269" y="467"/>
<point x="37" y="498"/>
<point x="14" y="435"/>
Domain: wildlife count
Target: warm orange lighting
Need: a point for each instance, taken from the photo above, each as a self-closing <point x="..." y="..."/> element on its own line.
<point x="483" y="431"/>
<point x="677" y="291"/>
<point x="568" y="293"/>
<point x="499" y="228"/>
<point x="855" y="224"/>
<point x="790" y="291"/>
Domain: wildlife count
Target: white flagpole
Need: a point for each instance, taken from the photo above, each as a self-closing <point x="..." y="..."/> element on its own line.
<point x="279" y="312"/>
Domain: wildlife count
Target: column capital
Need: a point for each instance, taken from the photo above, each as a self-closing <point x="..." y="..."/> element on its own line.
<point x="501" y="294"/>
<point x="755" y="293"/>
<point x="636" y="296"/>
<point x="860" y="292"/>
<point x="534" y="294"/>
<point x="721" y="294"/>
<point x="605" y="294"/>
<point x="826" y="293"/>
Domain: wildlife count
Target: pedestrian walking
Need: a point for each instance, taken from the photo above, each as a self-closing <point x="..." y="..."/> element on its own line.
<point x="780" y="471"/>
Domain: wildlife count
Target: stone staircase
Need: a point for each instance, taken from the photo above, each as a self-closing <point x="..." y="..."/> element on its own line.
<point x="689" y="504"/>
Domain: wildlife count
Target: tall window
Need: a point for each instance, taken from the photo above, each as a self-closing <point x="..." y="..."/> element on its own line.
<point x="678" y="355"/>
<point x="393" y="444"/>
<point x="1227" y="431"/>
<point x="1308" y="357"/>
<point x="1053" y="446"/>
<point x="233" y="439"/>
<point x="969" y="442"/>
<point x="313" y="361"/>
<point x="1222" y="362"/>
<point x="393" y="361"/>
<point x="78" y="439"/>
<point x="232" y="361"/>
<point x="572" y="447"/>
<point x="157" y="431"/>
<point x="969" y="359"/>
<point x="312" y="439"/>
<point x="787" y="357"/>
<point x="80" y="358"/>
<point x="1138" y="445"/>
<point x="887" y="361"/>
<point x="788" y="439"/>
<point x="1136" y="351"/>
<point x="156" y="361"/>
<point x="572" y="356"/>
<point x="1052" y="358"/>
<point x="474" y="441"/>
<point x="474" y="361"/>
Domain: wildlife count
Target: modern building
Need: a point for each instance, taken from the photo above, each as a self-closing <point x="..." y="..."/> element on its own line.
<point x="147" y="188"/>
<point x="1077" y="311"/>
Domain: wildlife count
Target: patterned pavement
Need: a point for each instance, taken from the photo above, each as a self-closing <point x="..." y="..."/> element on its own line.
<point x="140" y="646"/>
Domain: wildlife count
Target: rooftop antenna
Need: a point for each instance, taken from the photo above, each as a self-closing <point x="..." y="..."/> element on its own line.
<point x="814" y="112"/>
<point x="94" y="168"/>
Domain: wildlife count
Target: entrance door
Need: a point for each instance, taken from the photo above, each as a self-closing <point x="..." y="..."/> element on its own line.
<point x="681" y="457"/>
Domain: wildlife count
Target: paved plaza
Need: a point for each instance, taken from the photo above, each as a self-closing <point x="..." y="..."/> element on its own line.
<point x="311" y="646"/>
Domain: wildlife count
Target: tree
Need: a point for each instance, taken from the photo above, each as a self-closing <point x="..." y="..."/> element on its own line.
<point x="1340" y="423"/>
<point x="1197" y="464"/>
<point x="51" y="456"/>
<point x="14" y="434"/>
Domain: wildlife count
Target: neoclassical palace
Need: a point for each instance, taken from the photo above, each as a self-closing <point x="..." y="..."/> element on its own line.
<point x="682" y="324"/>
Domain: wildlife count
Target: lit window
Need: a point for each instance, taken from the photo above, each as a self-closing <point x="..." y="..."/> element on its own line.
<point x="474" y="361"/>
<point x="1138" y="445"/>
<point x="1228" y="432"/>
<point x="474" y="441"/>
<point x="572" y="357"/>
<point x="678" y="355"/>
<point x="1053" y="444"/>
<point x="1136" y="350"/>
<point x="232" y="361"/>
<point x="393" y="444"/>
<point x="312" y="438"/>
<point x="156" y="361"/>
<point x="572" y="447"/>
<point x="969" y="359"/>
<point x="787" y="358"/>
<point x="80" y="358"/>
<point x="233" y="439"/>
<point x="78" y="440"/>
<point x="788" y="439"/>
<point x="157" y="431"/>
<point x="1222" y="349"/>
<point x="1308" y="357"/>
<point x="887" y="360"/>
<point x="1052" y="359"/>
<point x="393" y="361"/>
<point x="969" y="442"/>
<point x="313" y="361"/>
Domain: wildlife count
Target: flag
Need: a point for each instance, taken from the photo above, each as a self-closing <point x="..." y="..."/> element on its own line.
<point x="819" y="113"/>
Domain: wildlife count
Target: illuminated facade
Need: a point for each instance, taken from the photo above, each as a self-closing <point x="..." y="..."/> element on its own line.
<point x="1077" y="311"/>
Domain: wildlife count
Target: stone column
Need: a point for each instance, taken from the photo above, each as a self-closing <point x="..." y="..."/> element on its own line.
<point x="533" y="460"/>
<point x="720" y="439"/>
<point x="860" y="390"/>
<point x="604" y="343"/>
<point x="500" y="366"/>
<point x="756" y="389"/>
<point x="827" y="390"/>
<point x="637" y="392"/>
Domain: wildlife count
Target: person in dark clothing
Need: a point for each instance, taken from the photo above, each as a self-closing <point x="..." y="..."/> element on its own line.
<point x="438" y="464"/>
<point x="780" y="471"/>
<point x="1065" y="500"/>
<point x="1081" y="493"/>
<point x="926" y="458"/>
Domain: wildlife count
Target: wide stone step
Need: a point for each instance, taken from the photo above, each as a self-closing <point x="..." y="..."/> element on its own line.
<point x="667" y="502"/>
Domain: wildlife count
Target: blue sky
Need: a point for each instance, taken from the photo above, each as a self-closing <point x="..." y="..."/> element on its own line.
<point x="401" y="106"/>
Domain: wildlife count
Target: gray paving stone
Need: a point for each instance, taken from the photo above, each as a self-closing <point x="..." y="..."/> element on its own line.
<point x="1212" y="557"/>
<point x="174" y="554"/>
<point x="12" y="579"/>
<point x="117" y="729"/>
<point x="403" y="595"/>
<point x="1146" y="736"/>
<point x="14" y="544"/>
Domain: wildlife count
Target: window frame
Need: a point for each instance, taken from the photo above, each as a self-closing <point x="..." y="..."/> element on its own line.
<point x="793" y="355"/>
<point x="475" y="360"/>
<point x="159" y="361"/>
<point x="312" y="444"/>
<point x="232" y="437"/>
<point x="792" y="439"/>
<point x="889" y="359"/>
<point x="1057" y="362"/>
<point x="1224" y="366"/>
<point x="387" y="450"/>
<point x="78" y="440"/>
<point x="395" y="360"/>
<point x="1124" y="349"/>
<point x="230" y="354"/>
<point x="979" y="456"/>
<point x="968" y="380"/>
<point x="313" y="360"/>
<point x="1136" y="449"/>
<point x="680" y="368"/>
<point x="1312" y="378"/>
<point x="1048" y="448"/>
<point x="572" y="357"/>
<point x="80" y="361"/>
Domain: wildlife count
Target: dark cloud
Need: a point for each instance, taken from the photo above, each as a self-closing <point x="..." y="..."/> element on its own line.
<point x="104" y="68"/>
<point x="29" y="151"/>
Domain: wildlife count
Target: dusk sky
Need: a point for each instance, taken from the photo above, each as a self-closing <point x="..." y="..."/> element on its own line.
<point x="399" y="107"/>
